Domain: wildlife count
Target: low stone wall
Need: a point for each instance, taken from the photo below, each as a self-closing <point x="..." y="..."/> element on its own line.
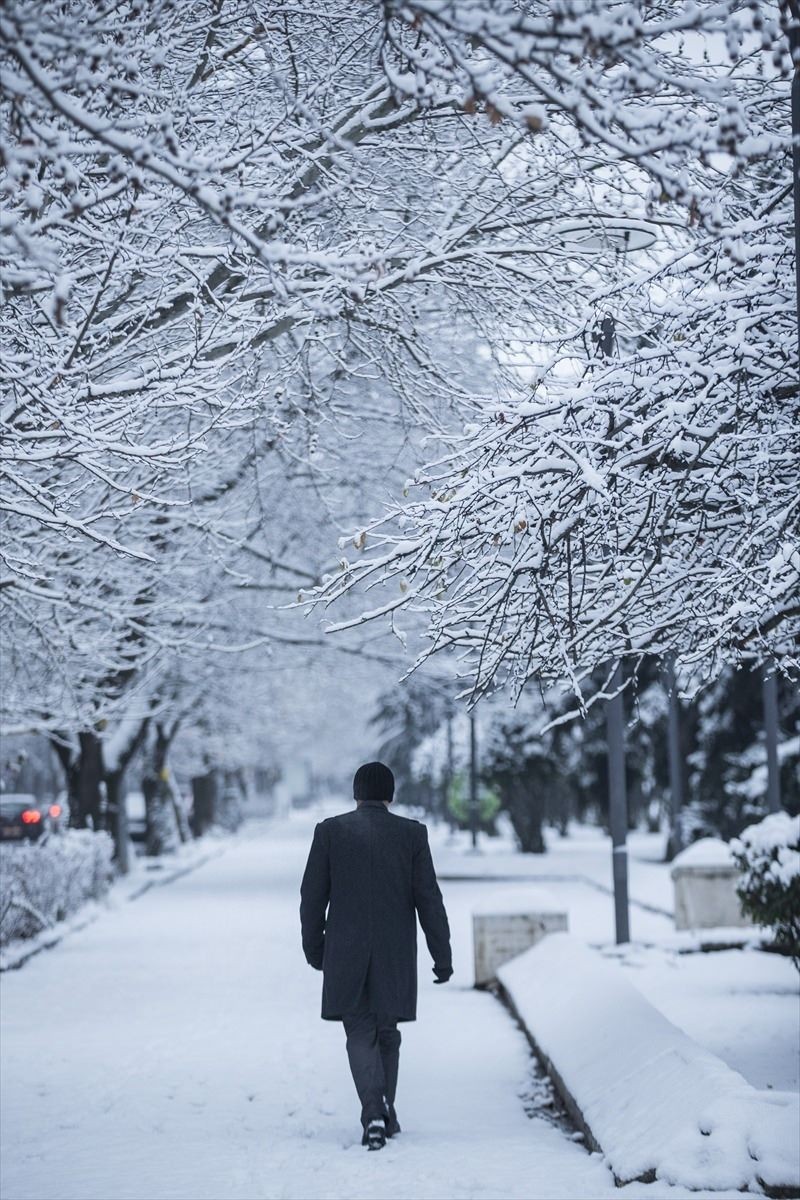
<point x="655" y="1103"/>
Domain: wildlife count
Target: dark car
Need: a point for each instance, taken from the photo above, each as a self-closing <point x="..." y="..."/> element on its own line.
<point x="23" y="817"/>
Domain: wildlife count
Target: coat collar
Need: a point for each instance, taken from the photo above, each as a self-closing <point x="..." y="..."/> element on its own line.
<point x="372" y="804"/>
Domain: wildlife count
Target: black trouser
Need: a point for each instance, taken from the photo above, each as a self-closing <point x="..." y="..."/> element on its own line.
<point x="373" y="1048"/>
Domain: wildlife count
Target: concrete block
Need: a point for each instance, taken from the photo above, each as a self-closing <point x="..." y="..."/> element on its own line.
<point x="705" y="898"/>
<point x="499" y="937"/>
<point x="704" y="878"/>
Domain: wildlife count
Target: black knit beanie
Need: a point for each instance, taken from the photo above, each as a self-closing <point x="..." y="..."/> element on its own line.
<point x="373" y="781"/>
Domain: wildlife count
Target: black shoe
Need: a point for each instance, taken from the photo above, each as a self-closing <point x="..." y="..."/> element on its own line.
<point x="375" y="1134"/>
<point x="392" y="1124"/>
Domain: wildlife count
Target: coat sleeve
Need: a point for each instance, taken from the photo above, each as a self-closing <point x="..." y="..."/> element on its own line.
<point x="429" y="904"/>
<point x="315" y="893"/>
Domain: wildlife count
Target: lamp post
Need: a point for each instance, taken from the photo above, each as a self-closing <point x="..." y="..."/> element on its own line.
<point x="675" y="841"/>
<point x="448" y="769"/>
<point x="770" y="698"/>
<point x="473" y="781"/>
<point x="618" y="804"/>
<point x="594" y="236"/>
<point x="793" y="11"/>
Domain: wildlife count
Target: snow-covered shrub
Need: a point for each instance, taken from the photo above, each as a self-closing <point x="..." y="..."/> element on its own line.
<point x="768" y="855"/>
<point x="43" y="883"/>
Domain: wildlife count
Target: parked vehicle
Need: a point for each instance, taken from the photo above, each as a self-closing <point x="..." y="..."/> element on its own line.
<point x="62" y="802"/>
<point x="137" y="816"/>
<point x="24" y="818"/>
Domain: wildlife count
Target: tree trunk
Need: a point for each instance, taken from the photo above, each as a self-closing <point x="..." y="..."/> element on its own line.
<point x="526" y="813"/>
<point x="96" y="794"/>
<point x="228" y="811"/>
<point x="205" y="789"/>
<point x="163" y="836"/>
<point x="563" y="813"/>
<point x="181" y="820"/>
<point x="117" y="812"/>
<point x="89" y="808"/>
<point x="69" y="764"/>
<point x="117" y="818"/>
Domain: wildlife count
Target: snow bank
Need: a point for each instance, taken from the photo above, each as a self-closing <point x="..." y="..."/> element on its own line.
<point x="48" y="881"/>
<point x="706" y="852"/>
<point x="658" y="1105"/>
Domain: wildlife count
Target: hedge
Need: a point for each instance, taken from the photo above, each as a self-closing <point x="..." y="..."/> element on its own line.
<point x="50" y="880"/>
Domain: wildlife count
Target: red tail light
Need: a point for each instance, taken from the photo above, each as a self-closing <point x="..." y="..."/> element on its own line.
<point x="31" y="816"/>
<point x="55" y="810"/>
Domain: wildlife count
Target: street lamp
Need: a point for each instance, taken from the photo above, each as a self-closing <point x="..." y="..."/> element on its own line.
<point x="599" y="234"/>
<point x="473" y="782"/>
<point x="770" y="700"/>
<point x="594" y="236"/>
<point x="792" y="8"/>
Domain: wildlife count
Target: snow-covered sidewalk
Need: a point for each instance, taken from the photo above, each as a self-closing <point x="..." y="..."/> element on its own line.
<point x="173" y="1048"/>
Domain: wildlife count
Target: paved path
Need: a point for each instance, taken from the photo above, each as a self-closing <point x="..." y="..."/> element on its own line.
<point x="173" y="1049"/>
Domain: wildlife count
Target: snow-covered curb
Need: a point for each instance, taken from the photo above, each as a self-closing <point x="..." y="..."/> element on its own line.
<point x="146" y="873"/>
<point x="654" y="1102"/>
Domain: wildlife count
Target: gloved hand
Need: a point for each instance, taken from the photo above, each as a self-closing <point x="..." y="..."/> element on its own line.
<point x="442" y="974"/>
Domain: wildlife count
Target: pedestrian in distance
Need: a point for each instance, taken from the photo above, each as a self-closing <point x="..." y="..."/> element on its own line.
<point x="369" y="875"/>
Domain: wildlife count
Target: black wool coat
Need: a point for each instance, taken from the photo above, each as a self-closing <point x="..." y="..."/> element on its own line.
<point x="369" y="874"/>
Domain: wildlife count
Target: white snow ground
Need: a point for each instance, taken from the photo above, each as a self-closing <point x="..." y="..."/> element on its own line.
<point x="173" y="1048"/>
<point x="742" y="1005"/>
<point x="654" y="1099"/>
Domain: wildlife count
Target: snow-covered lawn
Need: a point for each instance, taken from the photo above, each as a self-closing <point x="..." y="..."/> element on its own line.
<point x="584" y="857"/>
<point x="743" y="1005"/>
<point x="173" y="1048"/>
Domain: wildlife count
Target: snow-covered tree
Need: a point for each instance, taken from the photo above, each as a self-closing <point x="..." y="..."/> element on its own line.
<point x="640" y="500"/>
<point x="240" y="244"/>
<point x="664" y="85"/>
<point x="215" y="225"/>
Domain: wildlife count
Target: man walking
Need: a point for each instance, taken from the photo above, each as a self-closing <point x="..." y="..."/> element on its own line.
<point x="372" y="872"/>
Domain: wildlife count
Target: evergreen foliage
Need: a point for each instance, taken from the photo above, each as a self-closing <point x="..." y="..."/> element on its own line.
<point x="769" y="856"/>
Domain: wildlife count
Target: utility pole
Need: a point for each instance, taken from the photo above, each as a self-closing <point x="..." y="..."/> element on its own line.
<point x="473" y="781"/>
<point x="605" y="340"/>
<point x="675" y="842"/>
<point x="792" y="9"/>
<point x="618" y="803"/>
<point x="769" y="686"/>
<point x="122" y="836"/>
<point x="448" y="770"/>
